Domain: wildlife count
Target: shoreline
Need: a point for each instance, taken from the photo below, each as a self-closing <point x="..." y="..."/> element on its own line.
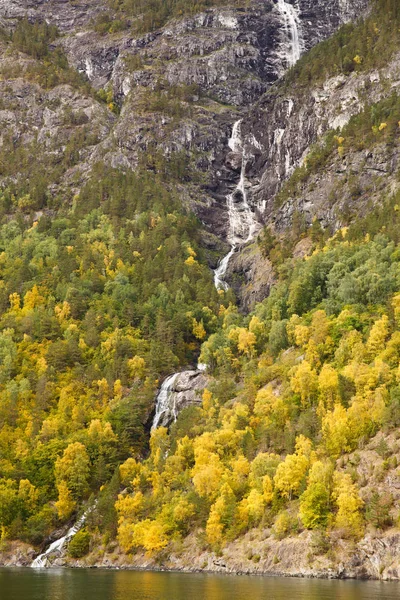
<point x="374" y="558"/>
<point x="187" y="571"/>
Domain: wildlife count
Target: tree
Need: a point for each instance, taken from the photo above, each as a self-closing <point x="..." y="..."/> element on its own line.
<point x="377" y="337"/>
<point x="378" y="510"/>
<point x="65" y="504"/>
<point x="348" y="518"/>
<point x="207" y="473"/>
<point x="251" y="508"/>
<point x="314" y="504"/>
<point x="79" y="545"/>
<point x="278" y="339"/>
<point x="264" y="465"/>
<point x="28" y="495"/>
<point x="290" y="473"/>
<point x="8" y="502"/>
<point x="151" y="535"/>
<point x="284" y="523"/>
<point x="269" y="408"/>
<point x="73" y="469"/>
<point x="336" y="431"/>
<point x="222" y="515"/>
<point x="315" y="501"/>
<point x="305" y="383"/>
<point x="328" y="384"/>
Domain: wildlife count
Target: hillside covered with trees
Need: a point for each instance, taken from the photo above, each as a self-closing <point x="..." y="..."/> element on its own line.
<point x="106" y="289"/>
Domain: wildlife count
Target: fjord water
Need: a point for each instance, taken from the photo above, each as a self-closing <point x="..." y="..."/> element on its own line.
<point x="85" y="584"/>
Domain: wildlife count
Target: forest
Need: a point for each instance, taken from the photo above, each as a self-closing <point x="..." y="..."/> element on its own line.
<point x="107" y="291"/>
<point x="310" y="375"/>
<point x="97" y="305"/>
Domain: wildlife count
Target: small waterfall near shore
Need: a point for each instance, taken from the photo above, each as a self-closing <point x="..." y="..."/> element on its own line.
<point x="42" y="561"/>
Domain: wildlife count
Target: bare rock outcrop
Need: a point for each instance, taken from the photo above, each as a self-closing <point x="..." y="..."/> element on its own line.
<point x="185" y="390"/>
<point x="282" y="128"/>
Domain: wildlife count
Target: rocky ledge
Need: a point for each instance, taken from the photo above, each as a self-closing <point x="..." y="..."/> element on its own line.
<point x="376" y="556"/>
<point x="185" y="390"/>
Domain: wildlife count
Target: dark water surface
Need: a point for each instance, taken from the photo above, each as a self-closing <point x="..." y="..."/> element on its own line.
<point x="67" y="584"/>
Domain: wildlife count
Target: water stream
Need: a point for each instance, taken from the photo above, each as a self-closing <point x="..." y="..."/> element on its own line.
<point x="162" y="400"/>
<point x="293" y="43"/>
<point x="42" y="560"/>
<point x="242" y="219"/>
<point x="243" y="222"/>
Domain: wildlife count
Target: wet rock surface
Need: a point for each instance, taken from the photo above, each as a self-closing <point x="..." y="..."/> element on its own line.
<point x="281" y="129"/>
<point x="231" y="56"/>
<point x="251" y="276"/>
<point x="186" y="390"/>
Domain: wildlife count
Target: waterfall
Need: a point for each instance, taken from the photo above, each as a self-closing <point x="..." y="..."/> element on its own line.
<point x="292" y="27"/>
<point x="242" y="220"/>
<point x="162" y="399"/>
<point x="220" y="271"/>
<point x="235" y="142"/>
<point x="41" y="561"/>
<point x="242" y="227"/>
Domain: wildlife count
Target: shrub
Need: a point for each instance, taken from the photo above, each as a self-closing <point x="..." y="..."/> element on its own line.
<point x="79" y="545"/>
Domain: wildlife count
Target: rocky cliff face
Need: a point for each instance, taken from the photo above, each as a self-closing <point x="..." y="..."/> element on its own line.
<point x="230" y="56"/>
<point x="66" y="15"/>
<point x="231" y="53"/>
<point x="281" y="130"/>
<point x="178" y="91"/>
<point x="185" y="389"/>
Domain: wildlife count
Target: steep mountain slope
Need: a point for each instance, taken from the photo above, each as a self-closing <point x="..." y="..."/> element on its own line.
<point x="117" y="130"/>
<point x="179" y="89"/>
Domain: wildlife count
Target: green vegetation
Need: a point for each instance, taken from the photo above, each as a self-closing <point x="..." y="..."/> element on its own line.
<point x="106" y="24"/>
<point x="79" y="545"/>
<point x="48" y="66"/>
<point x="149" y="16"/>
<point x="34" y="39"/>
<point x="96" y="304"/>
<point x="313" y="374"/>
<point x="356" y="47"/>
<point x="106" y="291"/>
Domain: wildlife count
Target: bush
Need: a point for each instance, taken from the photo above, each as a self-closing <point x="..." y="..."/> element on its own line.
<point x="284" y="525"/>
<point x="378" y="510"/>
<point x="320" y="543"/>
<point x="79" y="545"/>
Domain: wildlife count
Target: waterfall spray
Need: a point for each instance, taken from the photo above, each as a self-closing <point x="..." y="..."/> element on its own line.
<point x="292" y="26"/>
<point x="242" y="219"/>
<point x="162" y="401"/>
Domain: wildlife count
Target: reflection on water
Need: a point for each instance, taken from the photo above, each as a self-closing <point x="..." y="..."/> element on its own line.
<point x="67" y="584"/>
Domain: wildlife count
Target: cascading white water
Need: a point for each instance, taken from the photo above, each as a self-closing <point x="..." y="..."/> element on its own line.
<point x="41" y="561"/>
<point x="235" y="142"/>
<point x="220" y="271"/>
<point x="242" y="220"/>
<point x="162" y="404"/>
<point x="292" y="26"/>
